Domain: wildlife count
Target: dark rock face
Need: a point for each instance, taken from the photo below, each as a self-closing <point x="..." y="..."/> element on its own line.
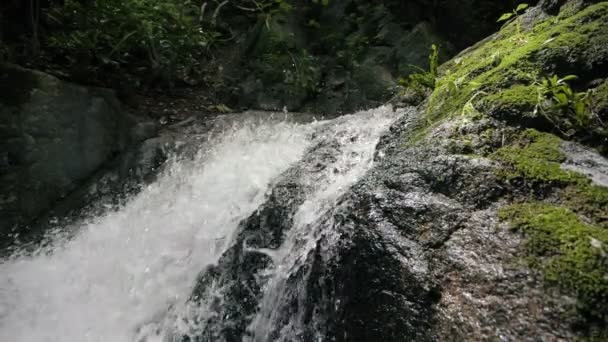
<point x="54" y="135"/>
<point x="442" y="206"/>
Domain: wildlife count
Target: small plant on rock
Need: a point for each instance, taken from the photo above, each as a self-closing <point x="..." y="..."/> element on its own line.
<point x="424" y="78"/>
<point x="569" y="109"/>
<point x="514" y="16"/>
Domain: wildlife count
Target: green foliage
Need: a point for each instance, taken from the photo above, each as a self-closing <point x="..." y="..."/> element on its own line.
<point x="424" y="78"/>
<point x="434" y="61"/>
<point x="498" y="65"/>
<point x="158" y="36"/>
<point x="514" y="15"/>
<point x="570" y="109"/>
<point x="268" y="9"/>
<point x="572" y="254"/>
<point x="304" y="72"/>
<point x="351" y="48"/>
<point x="282" y="62"/>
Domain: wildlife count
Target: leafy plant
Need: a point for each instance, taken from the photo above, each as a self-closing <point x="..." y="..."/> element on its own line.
<point x="156" y="37"/>
<point x="295" y="67"/>
<point x="424" y="78"/>
<point x="571" y="108"/>
<point x="514" y="15"/>
<point x="434" y="61"/>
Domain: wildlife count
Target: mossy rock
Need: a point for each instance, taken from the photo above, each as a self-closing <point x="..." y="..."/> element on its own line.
<point x="513" y="104"/>
<point x="567" y="239"/>
<point x="497" y="73"/>
<point x="589" y="201"/>
<point x="599" y="108"/>
<point x="535" y="157"/>
<point x="571" y="254"/>
<point x="600" y="100"/>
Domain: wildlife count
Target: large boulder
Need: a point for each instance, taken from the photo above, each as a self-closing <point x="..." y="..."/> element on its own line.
<point x="53" y="136"/>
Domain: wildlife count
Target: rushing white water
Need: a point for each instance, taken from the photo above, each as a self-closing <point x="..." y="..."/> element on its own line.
<point x="357" y="136"/>
<point x="127" y="275"/>
<point x="127" y="268"/>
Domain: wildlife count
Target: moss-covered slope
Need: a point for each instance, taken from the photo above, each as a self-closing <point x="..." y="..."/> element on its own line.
<point x="496" y="100"/>
<point x="502" y="76"/>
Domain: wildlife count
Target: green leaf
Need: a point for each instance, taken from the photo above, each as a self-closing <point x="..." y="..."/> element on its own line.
<point x="579" y="110"/>
<point x="452" y="88"/>
<point x="568" y="78"/>
<point x="562" y="99"/>
<point x="504" y="17"/>
<point x="521" y="7"/>
<point x="475" y="85"/>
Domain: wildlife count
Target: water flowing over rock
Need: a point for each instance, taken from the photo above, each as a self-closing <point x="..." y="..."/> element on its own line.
<point x="323" y="231"/>
<point x="126" y="268"/>
<point x="479" y="215"/>
<point x="258" y="288"/>
<point x="410" y="248"/>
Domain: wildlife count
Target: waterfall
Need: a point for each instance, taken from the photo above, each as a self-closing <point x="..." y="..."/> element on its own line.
<point x="356" y="137"/>
<point x="128" y="275"/>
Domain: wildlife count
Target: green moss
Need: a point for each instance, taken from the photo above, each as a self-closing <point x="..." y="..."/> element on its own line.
<point x="512" y="101"/>
<point x="570" y="253"/>
<point x="589" y="200"/>
<point x="494" y="66"/>
<point x="602" y="93"/>
<point x="535" y="157"/>
<point x="599" y="99"/>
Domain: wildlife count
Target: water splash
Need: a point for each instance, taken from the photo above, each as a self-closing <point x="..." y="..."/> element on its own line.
<point x="128" y="274"/>
<point x="124" y="270"/>
<point x="357" y="137"/>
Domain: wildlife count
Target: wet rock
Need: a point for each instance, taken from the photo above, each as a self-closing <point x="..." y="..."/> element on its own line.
<point x="413" y="250"/>
<point x="551" y="6"/>
<point x="54" y="135"/>
<point x="586" y="161"/>
<point x="144" y="130"/>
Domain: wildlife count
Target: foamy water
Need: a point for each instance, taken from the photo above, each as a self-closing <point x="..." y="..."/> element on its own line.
<point x="124" y="270"/>
<point x="128" y="275"/>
